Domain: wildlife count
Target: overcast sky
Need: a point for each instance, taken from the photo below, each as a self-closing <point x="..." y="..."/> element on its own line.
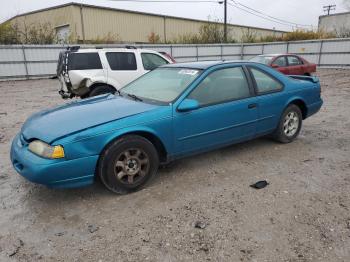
<point x="304" y="12"/>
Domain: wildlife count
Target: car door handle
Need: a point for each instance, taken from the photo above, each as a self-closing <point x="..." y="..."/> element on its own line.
<point x="251" y="106"/>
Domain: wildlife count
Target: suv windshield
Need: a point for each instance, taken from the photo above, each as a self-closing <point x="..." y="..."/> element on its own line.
<point x="262" y="59"/>
<point x="162" y="84"/>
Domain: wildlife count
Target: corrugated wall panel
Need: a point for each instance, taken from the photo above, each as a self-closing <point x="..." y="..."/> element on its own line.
<point x="209" y="58"/>
<point x="252" y="49"/>
<point x="187" y="59"/>
<point x="299" y="48"/>
<point x="311" y="58"/>
<point x="209" y="51"/>
<point x="11" y="54"/>
<point x="228" y="57"/>
<point x="231" y="50"/>
<point x="184" y="51"/>
<point x="35" y="54"/>
<point x="275" y="48"/>
<point x="336" y="46"/>
<point x="9" y="70"/>
<point x="41" y="68"/>
<point x="335" y="59"/>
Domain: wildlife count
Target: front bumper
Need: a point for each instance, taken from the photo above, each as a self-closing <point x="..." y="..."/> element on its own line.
<point x="56" y="173"/>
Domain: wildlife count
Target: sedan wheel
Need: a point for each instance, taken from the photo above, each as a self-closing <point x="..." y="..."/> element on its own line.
<point x="290" y="124"/>
<point x="131" y="166"/>
<point x="127" y="164"/>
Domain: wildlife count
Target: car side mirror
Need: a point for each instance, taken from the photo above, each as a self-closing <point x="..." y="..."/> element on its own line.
<point x="274" y="66"/>
<point x="188" y="105"/>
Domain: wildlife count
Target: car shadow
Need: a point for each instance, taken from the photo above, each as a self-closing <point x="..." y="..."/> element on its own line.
<point x="97" y="190"/>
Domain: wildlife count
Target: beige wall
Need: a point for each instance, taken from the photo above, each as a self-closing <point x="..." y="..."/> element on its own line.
<point x="128" y="26"/>
<point x="55" y="17"/>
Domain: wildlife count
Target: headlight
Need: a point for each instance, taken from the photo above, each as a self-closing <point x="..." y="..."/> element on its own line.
<point x="44" y="150"/>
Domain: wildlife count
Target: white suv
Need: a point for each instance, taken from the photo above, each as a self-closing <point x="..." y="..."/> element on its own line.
<point x="91" y="72"/>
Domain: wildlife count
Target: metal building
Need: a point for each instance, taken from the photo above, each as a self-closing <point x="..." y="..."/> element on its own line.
<point x="337" y="23"/>
<point x="84" y="23"/>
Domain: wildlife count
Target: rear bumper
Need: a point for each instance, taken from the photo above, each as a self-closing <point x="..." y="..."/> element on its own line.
<point x="60" y="173"/>
<point x="314" y="108"/>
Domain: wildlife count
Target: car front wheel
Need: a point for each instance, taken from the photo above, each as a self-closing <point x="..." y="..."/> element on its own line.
<point x="290" y="125"/>
<point x="128" y="164"/>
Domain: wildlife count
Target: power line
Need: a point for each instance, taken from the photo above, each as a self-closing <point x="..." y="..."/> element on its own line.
<point x="264" y="16"/>
<point x="329" y="8"/>
<point x="166" y="1"/>
<point x="275" y="18"/>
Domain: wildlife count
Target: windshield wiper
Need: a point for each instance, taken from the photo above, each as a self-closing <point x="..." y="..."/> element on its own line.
<point x="135" y="97"/>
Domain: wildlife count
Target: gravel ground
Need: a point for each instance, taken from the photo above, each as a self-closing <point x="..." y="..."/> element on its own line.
<point x="198" y="209"/>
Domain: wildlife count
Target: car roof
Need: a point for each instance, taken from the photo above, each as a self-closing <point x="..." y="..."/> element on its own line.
<point x="117" y="49"/>
<point x="274" y="55"/>
<point x="203" y="64"/>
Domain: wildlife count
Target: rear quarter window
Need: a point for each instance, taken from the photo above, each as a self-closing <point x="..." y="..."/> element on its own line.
<point x="84" y="61"/>
<point x="121" y="61"/>
<point x="264" y="82"/>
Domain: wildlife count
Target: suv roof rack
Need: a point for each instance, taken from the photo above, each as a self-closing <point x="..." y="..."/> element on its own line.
<point x="73" y="48"/>
<point x="130" y="47"/>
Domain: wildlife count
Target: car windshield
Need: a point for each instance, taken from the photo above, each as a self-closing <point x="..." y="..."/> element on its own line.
<point x="161" y="85"/>
<point x="262" y="59"/>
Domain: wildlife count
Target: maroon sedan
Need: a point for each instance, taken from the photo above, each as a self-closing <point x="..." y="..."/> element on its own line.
<point x="287" y="64"/>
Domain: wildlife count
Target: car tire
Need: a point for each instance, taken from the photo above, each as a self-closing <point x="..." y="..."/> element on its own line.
<point x="100" y="90"/>
<point x="127" y="164"/>
<point x="289" y="125"/>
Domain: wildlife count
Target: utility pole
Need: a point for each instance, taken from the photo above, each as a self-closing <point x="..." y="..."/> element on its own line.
<point x="225" y="18"/>
<point x="329" y="8"/>
<point x="225" y="23"/>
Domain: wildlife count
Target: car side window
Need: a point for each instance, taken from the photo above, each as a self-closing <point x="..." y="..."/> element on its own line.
<point x="280" y="61"/>
<point x="84" y="61"/>
<point x="294" y="61"/>
<point x="265" y="83"/>
<point x="152" y="61"/>
<point x="121" y="61"/>
<point x="220" y="86"/>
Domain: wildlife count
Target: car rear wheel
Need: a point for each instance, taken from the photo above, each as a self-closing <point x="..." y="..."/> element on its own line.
<point x="100" y="90"/>
<point x="128" y="164"/>
<point x="290" y="124"/>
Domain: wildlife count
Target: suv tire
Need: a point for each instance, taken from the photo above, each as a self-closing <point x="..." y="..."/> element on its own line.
<point x="100" y="90"/>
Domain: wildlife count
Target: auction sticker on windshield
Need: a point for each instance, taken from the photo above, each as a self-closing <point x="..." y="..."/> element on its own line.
<point x="188" y="72"/>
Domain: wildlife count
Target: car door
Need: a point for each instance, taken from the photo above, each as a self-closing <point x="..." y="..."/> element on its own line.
<point x="295" y="65"/>
<point x="270" y="99"/>
<point x="122" y="68"/>
<point x="280" y="64"/>
<point x="227" y="112"/>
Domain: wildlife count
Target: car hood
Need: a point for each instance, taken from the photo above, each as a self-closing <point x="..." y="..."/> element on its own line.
<point x="73" y="117"/>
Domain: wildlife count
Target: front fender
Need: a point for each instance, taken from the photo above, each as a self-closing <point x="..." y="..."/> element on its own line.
<point x="96" y="144"/>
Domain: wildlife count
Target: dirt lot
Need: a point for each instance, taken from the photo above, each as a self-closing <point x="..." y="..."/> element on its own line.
<point x="303" y="215"/>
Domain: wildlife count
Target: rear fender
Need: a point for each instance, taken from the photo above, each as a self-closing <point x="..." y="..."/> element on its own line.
<point x="82" y="80"/>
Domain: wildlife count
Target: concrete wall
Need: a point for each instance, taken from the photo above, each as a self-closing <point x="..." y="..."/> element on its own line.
<point x="335" y="23"/>
<point x="127" y="26"/>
